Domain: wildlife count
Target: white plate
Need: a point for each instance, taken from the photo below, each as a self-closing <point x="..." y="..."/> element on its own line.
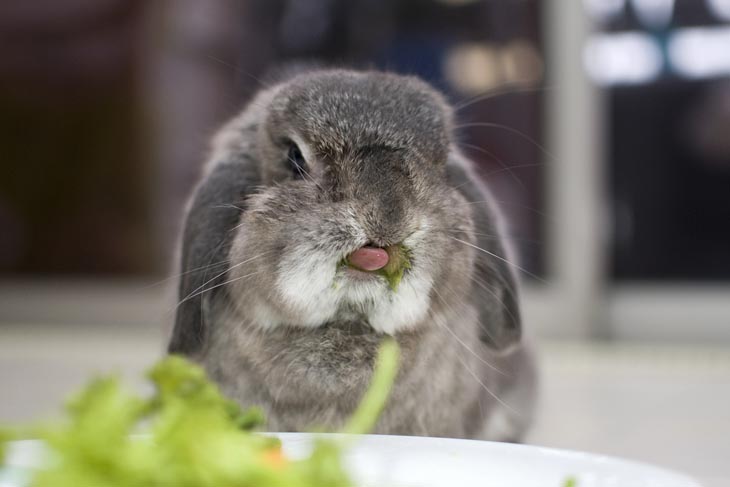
<point x="400" y="461"/>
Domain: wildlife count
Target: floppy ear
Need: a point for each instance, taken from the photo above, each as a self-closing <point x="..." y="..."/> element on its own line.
<point x="495" y="286"/>
<point x="214" y="211"/>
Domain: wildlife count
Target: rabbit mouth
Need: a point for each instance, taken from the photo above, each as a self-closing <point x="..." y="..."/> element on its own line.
<point x="390" y="262"/>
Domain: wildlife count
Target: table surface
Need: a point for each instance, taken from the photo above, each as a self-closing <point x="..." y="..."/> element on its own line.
<point x="665" y="405"/>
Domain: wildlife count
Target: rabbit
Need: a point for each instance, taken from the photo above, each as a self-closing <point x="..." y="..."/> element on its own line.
<point x="334" y="211"/>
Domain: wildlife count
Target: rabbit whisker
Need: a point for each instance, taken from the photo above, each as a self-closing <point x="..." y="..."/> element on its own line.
<point x="237" y="69"/>
<point x="508" y="262"/>
<point x="494" y="156"/>
<point x="513" y="130"/>
<point x="176" y="276"/>
<point x="456" y="337"/>
<point x="510" y="203"/>
<point x="304" y="172"/>
<point x="508" y="168"/>
<point x="194" y="291"/>
<point x="229" y="206"/>
<point x="224" y="283"/>
<point x="484" y="386"/>
<point x="484" y="286"/>
<point x="479" y="381"/>
<point x="490" y="236"/>
<point x="517" y="166"/>
<point x="465" y="231"/>
<point x="507" y="90"/>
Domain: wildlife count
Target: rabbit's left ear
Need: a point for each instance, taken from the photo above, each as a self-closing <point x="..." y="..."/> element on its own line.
<point x="494" y="287"/>
<point x="215" y="210"/>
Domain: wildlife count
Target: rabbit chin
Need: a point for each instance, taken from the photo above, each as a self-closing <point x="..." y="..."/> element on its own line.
<point x="387" y="311"/>
<point x="313" y="299"/>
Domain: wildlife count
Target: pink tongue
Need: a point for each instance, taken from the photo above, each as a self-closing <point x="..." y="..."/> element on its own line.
<point x="369" y="258"/>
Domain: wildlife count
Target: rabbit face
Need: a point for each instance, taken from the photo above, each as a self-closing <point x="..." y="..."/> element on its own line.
<point x="349" y="162"/>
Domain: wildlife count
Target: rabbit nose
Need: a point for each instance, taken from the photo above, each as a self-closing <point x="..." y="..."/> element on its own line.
<point x="369" y="258"/>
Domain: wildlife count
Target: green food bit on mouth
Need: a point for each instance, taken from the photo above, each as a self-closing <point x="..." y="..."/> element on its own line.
<point x="399" y="259"/>
<point x="570" y="482"/>
<point x="196" y="436"/>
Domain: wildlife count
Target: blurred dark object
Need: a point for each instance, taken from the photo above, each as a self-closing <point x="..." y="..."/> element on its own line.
<point x="74" y="189"/>
<point x="671" y="180"/>
<point x="62" y="47"/>
<point x="108" y="107"/>
<point x="669" y="149"/>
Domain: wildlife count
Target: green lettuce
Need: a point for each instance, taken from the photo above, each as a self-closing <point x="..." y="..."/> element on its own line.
<point x="192" y="436"/>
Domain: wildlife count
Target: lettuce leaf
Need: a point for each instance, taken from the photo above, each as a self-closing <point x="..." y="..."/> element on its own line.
<point x="193" y="436"/>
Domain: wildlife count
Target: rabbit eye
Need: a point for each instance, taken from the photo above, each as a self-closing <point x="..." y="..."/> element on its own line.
<point x="297" y="164"/>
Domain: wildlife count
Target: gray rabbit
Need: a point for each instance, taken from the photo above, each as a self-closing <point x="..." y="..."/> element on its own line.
<point x="336" y="210"/>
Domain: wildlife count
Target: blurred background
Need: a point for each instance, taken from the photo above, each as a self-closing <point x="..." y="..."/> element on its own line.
<point x="602" y="126"/>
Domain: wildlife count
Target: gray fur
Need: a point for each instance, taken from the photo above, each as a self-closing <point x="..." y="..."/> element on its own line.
<point x="282" y="326"/>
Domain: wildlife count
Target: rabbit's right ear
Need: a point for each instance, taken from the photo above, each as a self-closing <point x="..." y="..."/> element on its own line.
<point x="215" y="210"/>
